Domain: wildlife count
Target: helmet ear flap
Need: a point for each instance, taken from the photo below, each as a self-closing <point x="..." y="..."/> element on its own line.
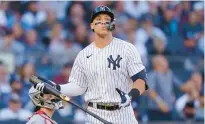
<point x="111" y="26"/>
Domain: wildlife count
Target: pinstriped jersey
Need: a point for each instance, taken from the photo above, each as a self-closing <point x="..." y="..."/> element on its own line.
<point x="101" y="70"/>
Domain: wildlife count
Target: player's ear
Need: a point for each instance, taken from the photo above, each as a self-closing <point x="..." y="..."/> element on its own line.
<point x="92" y="26"/>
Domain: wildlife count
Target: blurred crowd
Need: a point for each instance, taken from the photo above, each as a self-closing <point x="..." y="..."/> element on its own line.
<point x="44" y="38"/>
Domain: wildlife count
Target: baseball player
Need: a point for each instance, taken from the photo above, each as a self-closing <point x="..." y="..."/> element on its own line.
<point x="45" y="105"/>
<point x="109" y="72"/>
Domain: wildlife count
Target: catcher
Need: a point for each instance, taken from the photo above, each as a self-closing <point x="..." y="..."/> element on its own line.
<point x="45" y="105"/>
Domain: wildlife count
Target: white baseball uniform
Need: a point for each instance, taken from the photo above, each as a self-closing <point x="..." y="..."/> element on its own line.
<point x="101" y="70"/>
<point x="40" y="117"/>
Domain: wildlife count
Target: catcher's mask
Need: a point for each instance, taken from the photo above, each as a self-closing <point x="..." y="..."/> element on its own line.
<point x="45" y="100"/>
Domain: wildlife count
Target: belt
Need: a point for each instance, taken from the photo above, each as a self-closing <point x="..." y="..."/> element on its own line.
<point x="105" y="107"/>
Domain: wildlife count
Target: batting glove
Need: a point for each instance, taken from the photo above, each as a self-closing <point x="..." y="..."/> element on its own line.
<point x="125" y="99"/>
<point x="40" y="86"/>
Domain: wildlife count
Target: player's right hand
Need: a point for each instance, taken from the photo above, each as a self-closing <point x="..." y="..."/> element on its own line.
<point x="125" y="99"/>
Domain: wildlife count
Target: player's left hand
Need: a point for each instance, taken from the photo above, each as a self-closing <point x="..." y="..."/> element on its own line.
<point x="125" y="99"/>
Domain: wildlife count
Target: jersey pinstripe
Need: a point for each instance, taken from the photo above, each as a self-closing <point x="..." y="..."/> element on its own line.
<point x="103" y="70"/>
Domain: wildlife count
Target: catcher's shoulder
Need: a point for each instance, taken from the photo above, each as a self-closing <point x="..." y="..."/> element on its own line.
<point x="34" y="119"/>
<point x="38" y="119"/>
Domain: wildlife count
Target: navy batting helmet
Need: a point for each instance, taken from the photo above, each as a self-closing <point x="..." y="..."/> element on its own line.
<point x="102" y="10"/>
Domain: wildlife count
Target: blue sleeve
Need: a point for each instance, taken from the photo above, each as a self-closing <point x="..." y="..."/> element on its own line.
<point x="141" y="75"/>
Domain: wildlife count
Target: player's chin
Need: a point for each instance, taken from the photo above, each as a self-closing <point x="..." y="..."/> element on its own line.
<point x="104" y="32"/>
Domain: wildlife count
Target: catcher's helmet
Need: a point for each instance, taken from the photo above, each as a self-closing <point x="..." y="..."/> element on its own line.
<point x="100" y="10"/>
<point x="45" y="100"/>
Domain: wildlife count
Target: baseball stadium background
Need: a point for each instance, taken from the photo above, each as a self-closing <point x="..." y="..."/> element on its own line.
<point x="44" y="38"/>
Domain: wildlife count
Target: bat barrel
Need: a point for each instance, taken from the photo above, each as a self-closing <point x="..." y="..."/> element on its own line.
<point x="34" y="80"/>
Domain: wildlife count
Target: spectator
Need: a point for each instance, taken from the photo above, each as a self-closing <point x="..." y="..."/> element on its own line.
<point x="62" y="78"/>
<point x="199" y="11"/>
<point x="18" y="32"/>
<point x="5" y="88"/>
<point x="189" y="105"/>
<point x="131" y="37"/>
<point x="121" y="20"/>
<point x="168" y="23"/>
<point x="193" y="26"/>
<point x="129" y="25"/>
<point x="57" y="32"/>
<point x="190" y="46"/>
<point x="201" y="42"/>
<point x="55" y="6"/>
<point x="146" y="34"/>
<point x="71" y="50"/>
<point x="9" y="44"/>
<point x="124" y="27"/>
<point x="45" y="27"/>
<point x="200" y="108"/>
<point x="33" y="17"/>
<point x="27" y="70"/>
<point x="33" y="48"/>
<point x="45" y="67"/>
<point x="17" y="88"/>
<point x="159" y="47"/>
<point x="136" y="8"/>
<point x="14" y="111"/>
<point x="193" y="56"/>
<point x="178" y="10"/>
<point x="120" y="11"/>
<point x="186" y="8"/>
<point x="76" y="16"/>
<point x="81" y="35"/>
<point x="56" y="48"/>
<point x="4" y="74"/>
<point x="161" y="82"/>
<point x="3" y="17"/>
<point x="98" y="3"/>
<point x="153" y="10"/>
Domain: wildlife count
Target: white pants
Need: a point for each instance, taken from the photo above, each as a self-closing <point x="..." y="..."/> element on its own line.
<point x="119" y="116"/>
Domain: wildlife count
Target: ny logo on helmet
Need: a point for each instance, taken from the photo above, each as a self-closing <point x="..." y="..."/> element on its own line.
<point x="102" y="8"/>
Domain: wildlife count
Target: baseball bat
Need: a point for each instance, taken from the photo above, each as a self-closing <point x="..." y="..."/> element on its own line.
<point x="48" y="88"/>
